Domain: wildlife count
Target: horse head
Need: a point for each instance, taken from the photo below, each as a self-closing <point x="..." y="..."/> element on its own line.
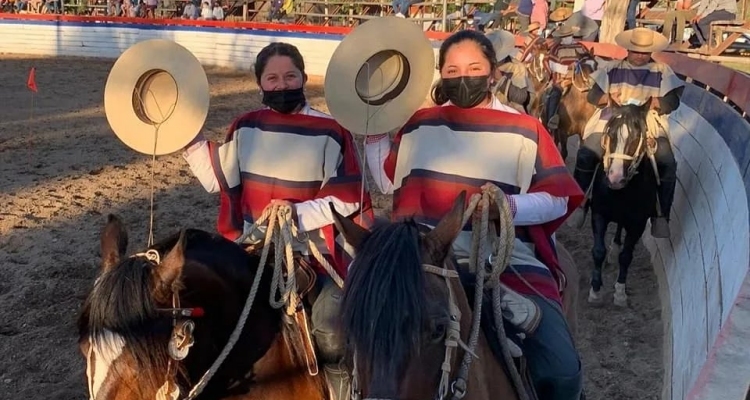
<point x="625" y="143"/>
<point x="156" y="321"/>
<point x="405" y="309"/>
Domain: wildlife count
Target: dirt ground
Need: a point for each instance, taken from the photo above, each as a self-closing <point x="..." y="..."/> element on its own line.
<point x="62" y="170"/>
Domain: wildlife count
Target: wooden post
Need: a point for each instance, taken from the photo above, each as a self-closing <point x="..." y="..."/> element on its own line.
<point x="613" y="20"/>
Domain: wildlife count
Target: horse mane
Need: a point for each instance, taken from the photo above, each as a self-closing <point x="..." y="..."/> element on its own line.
<point x="384" y="301"/>
<point x="121" y="300"/>
<point x="630" y="116"/>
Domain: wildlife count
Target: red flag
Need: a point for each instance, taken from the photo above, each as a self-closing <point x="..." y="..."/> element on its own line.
<point x="31" y="82"/>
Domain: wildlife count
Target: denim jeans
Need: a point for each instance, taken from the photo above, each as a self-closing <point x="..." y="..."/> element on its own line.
<point x="632" y="14"/>
<point x="704" y="25"/>
<point x="554" y="362"/>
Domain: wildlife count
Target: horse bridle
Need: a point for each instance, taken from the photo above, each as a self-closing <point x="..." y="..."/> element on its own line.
<point x="181" y="339"/>
<point x="636" y="159"/>
<point x="452" y="340"/>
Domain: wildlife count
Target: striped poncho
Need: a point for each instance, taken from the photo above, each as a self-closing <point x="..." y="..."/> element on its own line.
<point x="442" y="151"/>
<point x="294" y="157"/>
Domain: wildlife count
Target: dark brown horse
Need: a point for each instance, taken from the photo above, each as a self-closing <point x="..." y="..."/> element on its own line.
<point x="403" y="299"/>
<point x="160" y="319"/>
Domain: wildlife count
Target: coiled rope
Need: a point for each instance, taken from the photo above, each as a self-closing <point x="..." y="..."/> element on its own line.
<point x="281" y="231"/>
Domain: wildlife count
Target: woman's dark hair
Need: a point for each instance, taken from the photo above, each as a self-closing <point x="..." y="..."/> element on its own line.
<point x="438" y="97"/>
<point x="278" y="49"/>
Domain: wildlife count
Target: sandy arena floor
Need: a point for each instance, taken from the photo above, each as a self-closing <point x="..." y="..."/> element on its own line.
<point x="62" y="171"/>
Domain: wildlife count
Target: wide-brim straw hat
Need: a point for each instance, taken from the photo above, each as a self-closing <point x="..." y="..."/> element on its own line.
<point x="156" y="98"/>
<point x="586" y="26"/>
<point x="503" y="42"/>
<point x="533" y="27"/>
<point x="560" y="14"/>
<point x="375" y="86"/>
<point x="564" y="31"/>
<point x="642" y="40"/>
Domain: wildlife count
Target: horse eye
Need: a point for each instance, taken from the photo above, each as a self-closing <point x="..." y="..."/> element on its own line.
<point x="438" y="333"/>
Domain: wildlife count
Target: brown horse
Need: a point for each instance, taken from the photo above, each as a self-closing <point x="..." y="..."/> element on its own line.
<point x="160" y="319"/>
<point x="402" y="305"/>
<point x="574" y="110"/>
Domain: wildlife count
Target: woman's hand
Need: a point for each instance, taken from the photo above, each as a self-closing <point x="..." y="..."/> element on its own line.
<point x="494" y="211"/>
<point x="282" y="203"/>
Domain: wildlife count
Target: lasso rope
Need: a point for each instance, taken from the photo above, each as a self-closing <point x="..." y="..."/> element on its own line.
<point x="498" y="254"/>
<point x="280" y="233"/>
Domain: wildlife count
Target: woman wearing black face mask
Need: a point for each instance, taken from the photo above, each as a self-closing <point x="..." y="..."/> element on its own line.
<point x="287" y="153"/>
<point x="470" y="140"/>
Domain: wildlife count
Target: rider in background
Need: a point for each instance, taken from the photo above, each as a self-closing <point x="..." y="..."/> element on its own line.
<point x="564" y="53"/>
<point x="512" y="83"/>
<point x="471" y="139"/>
<point x="633" y="81"/>
<point x="291" y="154"/>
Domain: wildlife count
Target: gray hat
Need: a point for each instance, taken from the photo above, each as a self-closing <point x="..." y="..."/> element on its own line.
<point x="586" y="26"/>
<point x="503" y="42"/>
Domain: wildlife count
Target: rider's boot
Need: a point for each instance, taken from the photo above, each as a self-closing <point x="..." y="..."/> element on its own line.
<point x="339" y="381"/>
<point x="667" y="167"/>
<point x="329" y="341"/>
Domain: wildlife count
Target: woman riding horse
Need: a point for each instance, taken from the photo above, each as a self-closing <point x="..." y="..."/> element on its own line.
<point x="471" y="140"/>
<point x="633" y="81"/>
<point x="290" y="154"/>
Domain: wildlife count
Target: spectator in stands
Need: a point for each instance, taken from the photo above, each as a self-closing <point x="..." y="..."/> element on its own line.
<point x="512" y="83"/>
<point x="710" y="11"/>
<point x="206" y="12"/>
<point x="190" y="11"/>
<point x="149" y="7"/>
<point x="21" y="5"/>
<point x="679" y="15"/>
<point x="218" y="11"/>
<point x="401" y="8"/>
<point x="593" y="9"/>
<point x="539" y="13"/>
<point x="630" y="21"/>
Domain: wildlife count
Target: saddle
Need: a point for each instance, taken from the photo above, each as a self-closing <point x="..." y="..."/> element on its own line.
<point x="304" y="272"/>
<point x="488" y="324"/>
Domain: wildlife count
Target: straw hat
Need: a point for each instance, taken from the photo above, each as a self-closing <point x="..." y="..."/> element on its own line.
<point x="560" y="14"/>
<point x="503" y="42"/>
<point x="564" y="31"/>
<point x="533" y="27"/>
<point x="642" y="40"/>
<point x="375" y="86"/>
<point x="586" y="26"/>
<point x="156" y="83"/>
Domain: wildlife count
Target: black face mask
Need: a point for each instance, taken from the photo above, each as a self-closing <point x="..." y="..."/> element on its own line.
<point x="284" y="101"/>
<point x="466" y="91"/>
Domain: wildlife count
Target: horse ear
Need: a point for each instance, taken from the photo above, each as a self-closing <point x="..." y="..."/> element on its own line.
<point x="170" y="267"/>
<point x="352" y="232"/>
<point x="442" y="237"/>
<point x="113" y="242"/>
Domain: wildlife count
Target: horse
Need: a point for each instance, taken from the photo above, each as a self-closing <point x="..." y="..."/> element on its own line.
<point x="405" y="311"/>
<point x="625" y="193"/>
<point x="156" y="321"/>
<point x="536" y="63"/>
<point x="574" y="110"/>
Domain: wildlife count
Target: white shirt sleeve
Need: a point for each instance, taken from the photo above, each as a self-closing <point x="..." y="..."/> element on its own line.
<point x="199" y="160"/>
<point x="315" y="214"/>
<point x="376" y="151"/>
<point x="538" y="208"/>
